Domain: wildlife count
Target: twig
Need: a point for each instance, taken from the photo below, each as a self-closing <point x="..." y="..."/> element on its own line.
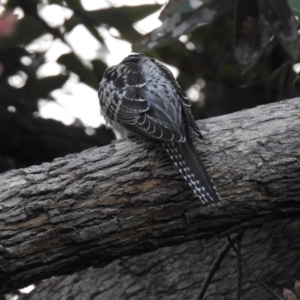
<point x="263" y="291"/>
<point x="216" y="264"/>
<point x="296" y="78"/>
<point x="283" y="79"/>
<point x="240" y="273"/>
<point x="232" y="241"/>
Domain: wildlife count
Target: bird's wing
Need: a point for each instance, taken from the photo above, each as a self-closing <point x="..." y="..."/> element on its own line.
<point x="182" y="97"/>
<point x="140" y="106"/>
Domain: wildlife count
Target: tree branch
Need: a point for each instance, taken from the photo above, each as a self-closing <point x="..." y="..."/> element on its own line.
<point x="178" y="272"/>
<point x="91" y="208"/>
<point x="216" y="265"/>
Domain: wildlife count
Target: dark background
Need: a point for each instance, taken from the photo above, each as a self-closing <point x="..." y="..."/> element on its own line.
<point x="208" y="55"/>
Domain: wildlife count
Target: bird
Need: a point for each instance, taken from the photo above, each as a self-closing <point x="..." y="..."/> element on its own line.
<point x="140" y="96"/>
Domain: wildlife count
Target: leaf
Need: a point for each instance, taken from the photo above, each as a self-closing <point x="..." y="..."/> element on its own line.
<point x="98" y="67"/>
<point x="279" y="16"/>
<point x="94" y="32"/>
<point x="11" y="59"/>
<point x="135" y="13"/>
<point x="251" y="34"/>
<point x="55" y="1"/>
<point x="295" y="7"/>
<point x="182" y="6"/>
<point x="74" y="64"/>
<point x="74" y="4"/>
<point x="122" y="18"/>
<point x="177" y="24"/>
<point x="44" y="86"/>
<point x="8" y="94"/>
<point x="27" y="30"/>
<point x="71" y="23"/>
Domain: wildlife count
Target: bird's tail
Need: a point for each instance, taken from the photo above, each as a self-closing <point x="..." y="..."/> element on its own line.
<point x="189" y="164"/>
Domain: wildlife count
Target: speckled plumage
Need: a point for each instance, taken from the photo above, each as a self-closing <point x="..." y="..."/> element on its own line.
<point x="141" y="96"/>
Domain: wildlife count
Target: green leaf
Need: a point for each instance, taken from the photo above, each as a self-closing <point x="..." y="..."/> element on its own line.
<point x="134" y="13"/>
<point x="10" y="59"/>
<point x="28" y="29"/>
<point x="183" y="6"/>
<point x="71" y="23"/>
<point x="44" y="86"/>
<point x="74" y="4"/>
<point x="295" y="7"/>
<point x="75" y="20"/>
<point x="99" y="67"/>
<point x="74" y="64"/>
<point x="94" y="32"/>
<point x="279" y="16"/>
<point x="176" y="24"/>
<point x="122" y="18"/>
<point x="55" y="1"/>
<point x="8" y="94"/>
<point x="251" y="34"/>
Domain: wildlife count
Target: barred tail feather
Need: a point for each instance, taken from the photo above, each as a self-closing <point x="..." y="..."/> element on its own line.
<point x="189" y="164"/>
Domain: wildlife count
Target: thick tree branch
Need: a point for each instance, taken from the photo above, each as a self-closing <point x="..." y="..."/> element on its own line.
<point x="127" y="198"/>
<point x="178" y="272"/>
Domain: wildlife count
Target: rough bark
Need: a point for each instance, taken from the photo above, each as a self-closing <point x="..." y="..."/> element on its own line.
<point x="91" y="208"/>
<point x="177" y="272"/>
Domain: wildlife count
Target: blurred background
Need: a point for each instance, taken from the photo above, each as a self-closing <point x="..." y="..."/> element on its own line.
<point x="227" y="55"/>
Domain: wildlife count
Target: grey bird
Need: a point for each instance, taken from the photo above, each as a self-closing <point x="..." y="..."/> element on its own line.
<point x="141" y="96"/>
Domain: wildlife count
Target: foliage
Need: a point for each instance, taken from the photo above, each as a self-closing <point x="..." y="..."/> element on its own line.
<point x="21" y="88"/>
<point x="229" y="64"/>
<point x="255" y="23"/>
